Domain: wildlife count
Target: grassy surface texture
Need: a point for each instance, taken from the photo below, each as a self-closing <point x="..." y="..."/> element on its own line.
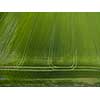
<point x="49" y="49"/>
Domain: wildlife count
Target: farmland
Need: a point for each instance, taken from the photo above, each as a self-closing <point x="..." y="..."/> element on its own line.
<point x="49" y="49"/>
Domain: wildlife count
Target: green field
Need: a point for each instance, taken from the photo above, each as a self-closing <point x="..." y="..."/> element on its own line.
<point x="49" y="49"/>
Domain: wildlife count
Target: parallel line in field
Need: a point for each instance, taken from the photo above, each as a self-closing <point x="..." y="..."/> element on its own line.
<point x="51" y="70"/>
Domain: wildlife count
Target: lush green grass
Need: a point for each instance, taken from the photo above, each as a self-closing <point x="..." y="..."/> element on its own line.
<point x="49" y="45"/>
